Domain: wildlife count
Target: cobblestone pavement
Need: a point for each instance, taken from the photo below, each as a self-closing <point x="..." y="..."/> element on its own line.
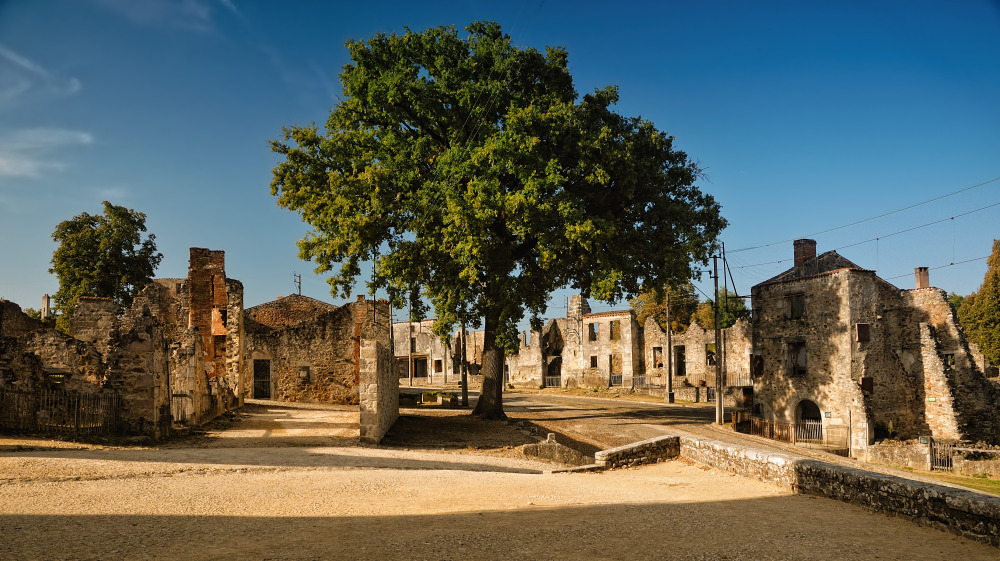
<point x="280" y="482"/>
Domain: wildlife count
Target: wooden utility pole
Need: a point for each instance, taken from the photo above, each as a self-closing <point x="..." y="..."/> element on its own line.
<point x="409" y="338"/>
<point x="719" y="413"/>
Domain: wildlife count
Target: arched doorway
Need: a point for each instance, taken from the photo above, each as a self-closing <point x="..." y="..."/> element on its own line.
<point x="808" y="422"/>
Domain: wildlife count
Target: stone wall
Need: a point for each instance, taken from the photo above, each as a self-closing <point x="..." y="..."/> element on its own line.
<point x="910" y="454"/>
<point x="975" y="516"/>
<point x="643" y="452"/>
<point x="379" y="382"/>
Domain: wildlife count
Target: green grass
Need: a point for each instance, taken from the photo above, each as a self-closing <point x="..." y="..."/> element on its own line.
<point x="986" y="485"/>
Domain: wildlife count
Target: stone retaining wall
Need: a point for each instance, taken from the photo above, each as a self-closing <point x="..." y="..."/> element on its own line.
<point x="906" y="454"/>
<point x="644" y="452"/>
<point x="972" y="515"/>
<point x="975" y="516"/>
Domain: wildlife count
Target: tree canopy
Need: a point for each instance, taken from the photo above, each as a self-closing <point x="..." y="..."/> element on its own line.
<point x="980" y="311"/>
<point x="683" y="303"/>
<point x="472" y="168"/>
<point x="733" y="308"/>
<point x="102" y="255"/>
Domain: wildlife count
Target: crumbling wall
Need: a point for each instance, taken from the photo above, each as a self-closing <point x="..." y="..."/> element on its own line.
<point x="525" y="367"/>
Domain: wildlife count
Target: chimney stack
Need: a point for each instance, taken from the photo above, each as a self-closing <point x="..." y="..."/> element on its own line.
<point x="804" y="251"/>
<point x="922" y="276"/>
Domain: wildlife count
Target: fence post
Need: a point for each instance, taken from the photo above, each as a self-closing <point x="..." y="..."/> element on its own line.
<point x="795" y="432"/>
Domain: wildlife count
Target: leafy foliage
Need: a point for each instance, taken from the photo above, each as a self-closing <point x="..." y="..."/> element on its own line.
<point x="980" y="311"/>
<point x="470" y="167"/>
<point x="733" y="308"/>
<point x="104" y="256"/>
<point x="683" y="303"/>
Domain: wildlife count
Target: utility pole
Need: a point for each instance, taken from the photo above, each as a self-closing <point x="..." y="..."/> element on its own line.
<point x="669" y="397"/>
<point x="297" y="279"/>
<point x="465" y="370"/>
<point x="719" y="413"/>
<point x="409" y="338"/>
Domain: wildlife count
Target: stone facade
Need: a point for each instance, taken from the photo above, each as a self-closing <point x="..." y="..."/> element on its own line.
<point x="418" y="350"/>
<point x="840" y="346"/>
<point x="305" y="350"/>
<point x="175" y="356"/>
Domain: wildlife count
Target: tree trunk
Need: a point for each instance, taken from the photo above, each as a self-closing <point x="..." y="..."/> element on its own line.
<point x="490" y="405"/>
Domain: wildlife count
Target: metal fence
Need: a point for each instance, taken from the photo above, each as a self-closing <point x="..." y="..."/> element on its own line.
<point x="62" y="412"/>
<point x="553" y="381"/>
<point x="639" y="382"/>
<point x="806" y="433"/>
<point x="943" y="455"/>
<point x="616" y="380"/>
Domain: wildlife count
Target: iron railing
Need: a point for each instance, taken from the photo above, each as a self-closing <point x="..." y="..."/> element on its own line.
<point x="553" y="381"/>
<point x="616" y="380"/>
<point x="62" y="412"/>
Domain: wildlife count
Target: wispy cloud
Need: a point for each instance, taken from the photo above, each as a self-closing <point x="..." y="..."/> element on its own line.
<point x="19" y="76"/>
<point x="32" y="152"/>
<point x="197" y="15"/>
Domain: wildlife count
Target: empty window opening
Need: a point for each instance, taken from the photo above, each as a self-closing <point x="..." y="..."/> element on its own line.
<point x="797" y="358"/>
<point x="413" y="344"/>
<point x="679" y="361"/>
<point x="438" y="365"/>
<point x="615" y="330"/>
<point x="593" y="361"/>
<point x="594" y="330"/>
<point x="657" y="357"/>
<point x="305" y="374"/>
<point x="796" y="305"/>
<point x="863" y="332"/>
<point x="756" y="366"/>
<point x="710" y="354"/>
<point x="949" y="360"/>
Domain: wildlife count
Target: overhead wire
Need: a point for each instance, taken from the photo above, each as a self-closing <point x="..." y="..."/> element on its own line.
<point x="855" y="223"/>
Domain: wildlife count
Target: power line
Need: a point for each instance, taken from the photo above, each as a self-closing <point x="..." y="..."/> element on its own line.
<point x="877" y="238"/>
<point x="827" y="231"/>
<point x="940" y="267"/>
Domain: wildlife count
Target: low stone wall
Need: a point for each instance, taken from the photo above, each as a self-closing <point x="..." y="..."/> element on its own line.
<point x="644" y="452"/>
<point x="686" y="394"/>
<point x="972" y="515"/>
<point x="906" y="454"/>
<point x="976" y="467"/>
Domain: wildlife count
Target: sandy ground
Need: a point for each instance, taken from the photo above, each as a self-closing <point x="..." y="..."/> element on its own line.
<point x="292" y="483"/>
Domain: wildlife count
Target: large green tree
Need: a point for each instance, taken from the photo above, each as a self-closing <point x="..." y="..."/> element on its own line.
<point x="472" y="168"/>
<point x="102" y="255"/>
<point x="683" y="301"/>
<point x="733" y="308"/>
<point x="980" y="311"/>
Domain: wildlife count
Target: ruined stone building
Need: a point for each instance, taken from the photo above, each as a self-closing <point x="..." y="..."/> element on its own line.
<point x="840" y="346"/>
<point x="302" y="349"/>
<point x="175" y="356"/>
<point x="420" y="351"/>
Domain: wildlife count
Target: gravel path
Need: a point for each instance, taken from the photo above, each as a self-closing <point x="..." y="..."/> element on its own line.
<point x="256" y="491"/>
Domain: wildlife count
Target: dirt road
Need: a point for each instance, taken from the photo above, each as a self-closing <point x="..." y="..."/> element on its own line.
<point x="289" y="483"/>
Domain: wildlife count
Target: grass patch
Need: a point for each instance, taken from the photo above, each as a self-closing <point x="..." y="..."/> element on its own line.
<point x="986" y="485"/>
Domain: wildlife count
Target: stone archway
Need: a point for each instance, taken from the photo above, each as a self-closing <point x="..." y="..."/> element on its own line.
<point x="808" y="422"/>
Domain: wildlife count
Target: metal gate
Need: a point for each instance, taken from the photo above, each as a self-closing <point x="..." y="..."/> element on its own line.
<point x="941" y="455"/>
<point x="262" y="379"/>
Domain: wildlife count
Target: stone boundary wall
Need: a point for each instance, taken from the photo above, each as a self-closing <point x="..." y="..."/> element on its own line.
<point x="907" y="454"/>
<point x="378" y="391"/>
<point x="972" y="515"/>
<point x="643" y="452"/>
<point x="969" y="514"/>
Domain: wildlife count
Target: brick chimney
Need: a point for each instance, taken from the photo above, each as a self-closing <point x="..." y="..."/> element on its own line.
<point x="922" y="276"/>
<point x="804" y="251"/>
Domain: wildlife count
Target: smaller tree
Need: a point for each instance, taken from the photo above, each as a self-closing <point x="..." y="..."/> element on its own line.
<point x="733" y="308"/>
<point x="103" y="256"/>
<point x="980" y="311"/>
<point x="683" y="303"/>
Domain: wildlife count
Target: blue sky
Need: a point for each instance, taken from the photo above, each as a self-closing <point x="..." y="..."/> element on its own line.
<point x="806" y="116"/>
